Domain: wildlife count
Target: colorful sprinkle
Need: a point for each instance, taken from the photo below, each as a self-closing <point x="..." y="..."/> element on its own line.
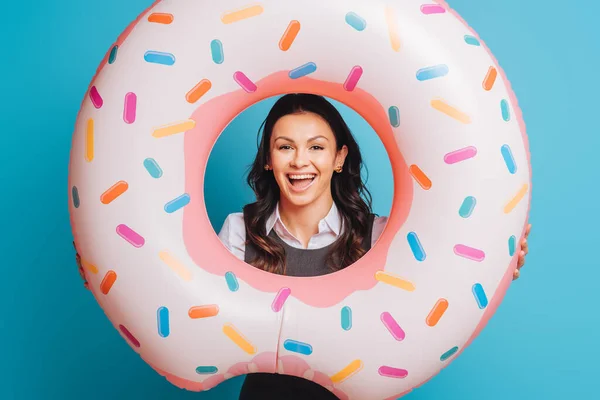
<point x="75" y="196"/>
<point x="428" y="9"/>
<point x="207" y="370"/>
<point x="112" y="57"/>
<point x="95" y="97"/>
<point x="460" y="155"/>
<point x="303" y="70"/>
<point x="89" y="141"/>
<point x="394" y="115"/>
<point x="129" y="336"/>
<point x="108" y="281"/>
<point x="512" y="245"/>
<point x="509" y="159"/>
<point x="289" y="35"/>
<point x="395" y="281"/>
<point x="436" y="312"/>
<point x="298" y="347"/>
<point x="216" y="48"/>
<point x="130" y="235"/>
<point x="198" y="91"/>
<point x="346" y="318"/>
<point x="392" y="372"/>
<point x="416" y="246"/>
<point x="236" y="337"/>
<point x="89" y="267"/>
<point x="356" y="21"/>
<point x="420" y="177"/>
<point x="467" y="207"/>
<point x="113" y="192"/>
<point x="129" y="109"/>
<point x="241" y="14"/>
<point x="480" y="295"/>
<point x="353" y="78"/>
<point x="172" y="129"/>
<point x="433" y="72"/>
<point x="175" y="265"/>
<point x="472" y="40"/>
<point x="515" y="200"/>
<point x="160" y="18"/>
<point x="450" y="111"/>
<point x="490" y="78"/>
<point x="390" y="323"/>
<point x="162" y="322"/>
<point x="244" y="82"/>
<point x="232" y="282"/>
<point x="177" y="203"/>
<point x="158" y="57"/>
<point x="449" y="353"/>
<point x="390" y="19"/>
<point x="469" y="252"/>
<point x="153" y="168"/>
<point x="505" y="110"/>
<point x="207" y="311"/>
<point x="280" y="299"/>
<point x="349" y="370"/>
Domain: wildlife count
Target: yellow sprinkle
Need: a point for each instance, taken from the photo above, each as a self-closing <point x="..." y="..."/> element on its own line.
<point x="175" y="265"/>
<point x="348" y="371"/>
<point x="90" y="267"/>
<point x="390" y="17"/>
<point x="89" y="141"/>
<point x="232" y="333"/>
<point x="172" y="129"/>
<point x="393" y="280"/>
<point x="515" y="200"/>
<point x="450" y="111"/>
<point x="242" y="13"/>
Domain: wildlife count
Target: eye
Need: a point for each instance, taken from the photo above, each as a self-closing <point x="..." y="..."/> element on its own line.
<point x="317" y="147"/>
<point x="284" y="147"/>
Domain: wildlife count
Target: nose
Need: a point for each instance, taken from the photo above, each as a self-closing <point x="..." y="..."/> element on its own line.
<point x="300" y="159"/>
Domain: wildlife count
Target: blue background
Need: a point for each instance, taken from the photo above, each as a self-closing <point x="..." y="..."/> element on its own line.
<point x="56" y="342"/>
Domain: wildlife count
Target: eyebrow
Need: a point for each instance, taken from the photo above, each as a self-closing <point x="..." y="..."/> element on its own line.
<point x="311" y="139"/>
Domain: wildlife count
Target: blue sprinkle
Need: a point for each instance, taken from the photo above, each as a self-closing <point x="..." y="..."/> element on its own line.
<point x="216" y="48"/>
<point x="432" y="72"/>
<point x="356" y="21"/>
<point x="449" y="353"/>
<point x="177" y="203"/>
<point x="207" y="370"/>
<point x="113" y="54"/>
<point x="480" y="296"/>
<point x="303" y="70"/>
<point x="467" y="207"/>
<point x="505" y="110"/>
<point x="298" y="347"/>
<point x="75" y="194"/>
<point x="346" y="318"/>
<point x="472" y="40"/>
<point x="394" y="115"/>
<point x="162" y="317"/>
<point x="232" y="282"/>
<point x="512" y="245"/>
<point x="416" y="247"/>
<point x="509" y="159"/>
<point x="158" y="57"/>
<point x="153" y="168"/>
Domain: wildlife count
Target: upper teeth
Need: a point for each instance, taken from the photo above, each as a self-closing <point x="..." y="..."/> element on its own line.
<point x="305" y="176"/>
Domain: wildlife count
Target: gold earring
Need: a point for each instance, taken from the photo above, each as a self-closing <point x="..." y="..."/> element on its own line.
<point x="338" y="169"/>
<point x="267" y="167"/>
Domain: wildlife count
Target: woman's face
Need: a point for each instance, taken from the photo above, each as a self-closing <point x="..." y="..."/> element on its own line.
<point x="303" y="157"/>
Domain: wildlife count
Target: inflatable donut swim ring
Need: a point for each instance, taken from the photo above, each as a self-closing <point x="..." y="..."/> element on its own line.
<point x="459" y="153"/>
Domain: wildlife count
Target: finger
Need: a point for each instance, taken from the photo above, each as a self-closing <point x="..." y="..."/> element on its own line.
<point x="516" y="274"/>
<point x="525" y="246"/>
<point x="528" y="230"/>
<point x="521" y="260"/>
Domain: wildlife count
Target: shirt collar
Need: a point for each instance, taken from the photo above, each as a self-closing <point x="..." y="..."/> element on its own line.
<point x="332" y="220"/>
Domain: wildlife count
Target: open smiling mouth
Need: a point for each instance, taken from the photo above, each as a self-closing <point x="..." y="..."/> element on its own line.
<point x="300" y="182"/>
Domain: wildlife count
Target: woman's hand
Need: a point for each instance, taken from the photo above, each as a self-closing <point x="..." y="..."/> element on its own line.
<point x="80" y="267"/>
<point x="522" y="254"/>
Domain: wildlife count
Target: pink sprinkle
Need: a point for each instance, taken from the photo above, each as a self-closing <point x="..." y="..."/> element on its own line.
<point x="280" y="299"/>
<point x="129" y="336"/>
<point x="95" y="97"/>
<point x="392" y="326"/>
<point x="244" y="82"/>
<point x="432" y="9"/>
<point x="392" y="372"/>
<point x="130" y="108"/>
<point x="353" y="78"/>
<point x="130" y="235"/>
<point x="460" y="155"/>
<point x="469" y="252"/>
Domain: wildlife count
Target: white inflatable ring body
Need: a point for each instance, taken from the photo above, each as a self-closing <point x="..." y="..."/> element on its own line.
<point x="459" y="153"/>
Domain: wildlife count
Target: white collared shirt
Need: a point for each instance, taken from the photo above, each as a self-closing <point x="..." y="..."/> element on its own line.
<point x="233" y="232"/>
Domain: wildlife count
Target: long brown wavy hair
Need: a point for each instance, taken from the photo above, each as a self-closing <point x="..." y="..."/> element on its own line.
<point x="347" y="189"/>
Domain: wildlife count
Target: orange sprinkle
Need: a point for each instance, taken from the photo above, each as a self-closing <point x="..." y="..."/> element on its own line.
<point x="289" y="35"/>
<point x="198" y="91"/>
<point x="88" y="266"/>
<point x="420" y="177"/>
<point x="390" y="18"/>
<point x="453" y="112"/>
<point x="160" y="18"/>
<point x="241" y="14"/>
<point x="436" y="312"/>
<point x="490" y="78"/>
<point x="516" y="199"/>
<point x="113" y="192"/>
<point x="108" y="281"/>
<point x="89" y="141"/>
<point x="203" y="311"/>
